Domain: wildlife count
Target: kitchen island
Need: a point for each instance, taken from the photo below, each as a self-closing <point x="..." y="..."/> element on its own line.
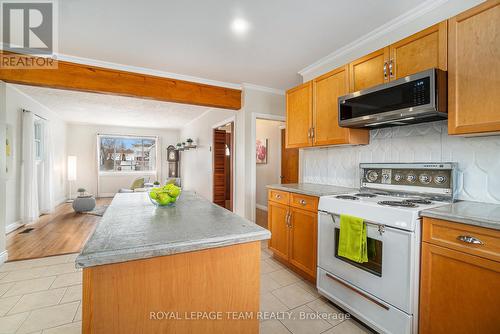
<point x="193" y="267"/>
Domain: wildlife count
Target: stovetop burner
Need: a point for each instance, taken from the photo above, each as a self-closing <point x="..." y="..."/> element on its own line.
<point x="352" y="198"/>
<point x="403" y="204"/>
<point x="418" y="201"/>
<point x="370" y="195"/>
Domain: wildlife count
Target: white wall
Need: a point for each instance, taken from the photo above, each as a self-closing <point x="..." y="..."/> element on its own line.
<point x="196" y="164"/>
<point x="255" y="102"/>
<point x="82" y="142"/>
<point x="478" y="158"/>
<point x="270" y="172"/>
<point x="3" y="184"/>
<point x="426" y="15"/>
<point x="15" y="102"/>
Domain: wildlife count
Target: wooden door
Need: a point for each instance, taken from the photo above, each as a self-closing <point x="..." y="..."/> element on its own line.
<point x="289" y="162"/>
<point x="368" y="71"/>
<point x="459" y="293"/>
<point x="219" y="168"/>
<point x="421" y="51"/>
<point x="474" y="70"/>
<point x="277" y="222"/>
<point x="299" y="116"/>
<point x="303" y="240"/>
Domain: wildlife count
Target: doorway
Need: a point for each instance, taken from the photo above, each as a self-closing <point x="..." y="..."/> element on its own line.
<point x="274" y="163"/>
<point x="223" y="162"/>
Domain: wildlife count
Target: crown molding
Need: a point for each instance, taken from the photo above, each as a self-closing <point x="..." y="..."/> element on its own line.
<point x="263" y="89"/>
<point x="384" y="29"/>
<point x="144" y="70"/>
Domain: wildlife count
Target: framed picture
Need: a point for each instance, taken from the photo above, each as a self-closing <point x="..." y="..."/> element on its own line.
<point x="261" y="151"/>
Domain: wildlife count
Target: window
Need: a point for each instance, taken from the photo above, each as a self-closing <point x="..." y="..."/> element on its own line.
<point x="127" y="154"/>
<point x="38" y="141"/>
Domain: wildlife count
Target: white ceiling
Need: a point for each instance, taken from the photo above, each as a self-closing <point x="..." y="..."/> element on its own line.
<point x="91" y="108"/>
<point x="193" y="37"/>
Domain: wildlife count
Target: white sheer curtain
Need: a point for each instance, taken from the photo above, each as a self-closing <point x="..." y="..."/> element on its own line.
<point x="29" y="187"/>
<point x="46" y="199"/>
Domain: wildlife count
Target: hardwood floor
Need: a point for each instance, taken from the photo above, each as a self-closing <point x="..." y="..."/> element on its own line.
<point x="62" y="232"/>
<point x="261" y="218"/>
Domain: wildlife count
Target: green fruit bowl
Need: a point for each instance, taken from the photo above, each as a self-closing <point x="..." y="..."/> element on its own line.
<point x="164" y="196"/>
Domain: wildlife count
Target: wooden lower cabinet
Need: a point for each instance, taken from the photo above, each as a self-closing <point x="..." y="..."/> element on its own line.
<point x="303" y="240"/>
<point x="277" y="222"/>
<point x="294" y="233"/>
<point x="459" y="291"/>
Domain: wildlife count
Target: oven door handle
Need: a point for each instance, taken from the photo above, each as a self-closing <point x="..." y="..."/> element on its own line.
<point x="380" y="227"/>
<point x="362" y="294"/>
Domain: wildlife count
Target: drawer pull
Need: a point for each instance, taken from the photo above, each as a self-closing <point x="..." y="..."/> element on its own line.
<point x="278" y="196"/>
<point x="302" y="202"/>
<point x="469" y="240"/>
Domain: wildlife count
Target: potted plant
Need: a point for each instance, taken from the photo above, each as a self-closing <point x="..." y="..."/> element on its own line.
<point x="81" y="192"/>
<point x="156" y="183"/>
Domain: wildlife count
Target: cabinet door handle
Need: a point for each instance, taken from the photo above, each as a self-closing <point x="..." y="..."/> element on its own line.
<point x="469" y="240"/>
<point x="312" y="132"/>
<point x="302" y="202"/>
<point x="391" y="73"/>
<point x="385" y="70"/>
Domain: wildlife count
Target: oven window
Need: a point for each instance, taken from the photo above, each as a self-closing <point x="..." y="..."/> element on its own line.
<point x="374" y="264"/>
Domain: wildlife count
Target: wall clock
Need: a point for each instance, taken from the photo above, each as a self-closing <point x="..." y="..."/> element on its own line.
<point x="172" y="154"/>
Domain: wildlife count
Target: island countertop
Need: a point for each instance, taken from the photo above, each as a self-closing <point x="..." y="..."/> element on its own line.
<point x="133" y="228"/>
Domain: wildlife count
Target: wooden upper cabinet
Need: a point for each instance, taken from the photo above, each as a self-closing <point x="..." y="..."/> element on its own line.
<point x="474" y="70"/>
<point x="303" y="240"/>
<point x="421" y="51"/>
<point x="326" y="91"/>
<point x="370" y="70"/>
<point x="299" y="116"/>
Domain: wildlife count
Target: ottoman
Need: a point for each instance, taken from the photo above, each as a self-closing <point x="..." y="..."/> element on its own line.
<point x="84" y="203"/>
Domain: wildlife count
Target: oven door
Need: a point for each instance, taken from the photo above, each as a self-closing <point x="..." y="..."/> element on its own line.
<point x="390" y="273"/>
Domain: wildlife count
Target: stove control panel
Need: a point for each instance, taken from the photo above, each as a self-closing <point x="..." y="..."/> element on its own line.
<point x="417" y="177"/>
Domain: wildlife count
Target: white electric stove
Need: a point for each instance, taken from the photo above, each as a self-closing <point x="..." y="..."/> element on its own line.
<point x="382" y="292"/>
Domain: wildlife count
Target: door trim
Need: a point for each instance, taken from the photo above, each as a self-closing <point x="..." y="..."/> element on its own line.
<point x="253" y="161"/>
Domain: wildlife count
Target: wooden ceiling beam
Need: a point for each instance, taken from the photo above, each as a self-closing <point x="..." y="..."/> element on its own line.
<point x="86" y="78"/>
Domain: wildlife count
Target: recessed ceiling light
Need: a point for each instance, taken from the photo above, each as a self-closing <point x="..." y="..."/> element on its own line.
<point x="240" y="26"/>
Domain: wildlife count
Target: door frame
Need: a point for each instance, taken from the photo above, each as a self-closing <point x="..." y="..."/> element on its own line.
<point x="231" y="119"/>
<point x="253" y="160"/>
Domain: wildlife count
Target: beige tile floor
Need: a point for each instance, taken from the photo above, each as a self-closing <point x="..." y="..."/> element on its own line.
<point x="44" y="296"/>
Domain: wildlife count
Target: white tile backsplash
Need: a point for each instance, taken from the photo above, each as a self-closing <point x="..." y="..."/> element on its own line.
<point x="478" y="158"/>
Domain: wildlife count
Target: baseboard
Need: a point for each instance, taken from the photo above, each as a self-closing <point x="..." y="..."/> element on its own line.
<point x="3" y="257"/>
<point x="14" y="226"/>
<point x="261" y="207"/>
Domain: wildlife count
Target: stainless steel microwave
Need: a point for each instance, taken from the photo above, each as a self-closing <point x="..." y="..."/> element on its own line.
<point x="417" y="98"/>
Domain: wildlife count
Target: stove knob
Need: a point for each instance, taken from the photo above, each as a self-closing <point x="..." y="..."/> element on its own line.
<point x="398" y="177"/>
<point x="411" y="178"/>
<point x="372" y="176"/>
<point x="425" y="178"/>
<point x="440" y="179"/>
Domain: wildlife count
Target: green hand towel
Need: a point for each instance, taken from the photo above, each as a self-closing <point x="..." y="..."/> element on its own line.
<point x="352" y="240"/>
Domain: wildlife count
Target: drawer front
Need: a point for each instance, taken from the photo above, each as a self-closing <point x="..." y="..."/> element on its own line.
<point x="278" y="196"/>
<point x="304" y="202"/>
<point x="469" y="239"/>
